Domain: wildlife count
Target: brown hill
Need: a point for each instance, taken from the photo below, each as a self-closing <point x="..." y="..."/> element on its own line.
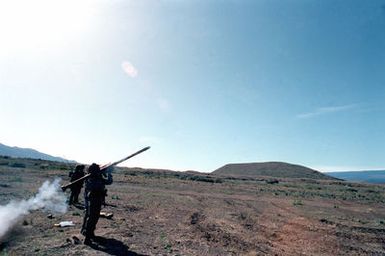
<point x="272" y="169"/>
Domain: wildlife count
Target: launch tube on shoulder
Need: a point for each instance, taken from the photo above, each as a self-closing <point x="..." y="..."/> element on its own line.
<point x="104" y="168"/>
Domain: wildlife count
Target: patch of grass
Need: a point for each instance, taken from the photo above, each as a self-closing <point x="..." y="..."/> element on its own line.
<point x="363" y="221"/>
<point x="166" y="244"/>
<point x="4" y="252"/>
<point x="297" y="202"/>
<point x="16" y="179"/>
<point x="115" y="197"/>
<point x="168" y="248"/>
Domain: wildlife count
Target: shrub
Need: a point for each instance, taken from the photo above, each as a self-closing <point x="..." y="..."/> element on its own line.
<point x="272" y="181"/>
<point x="18" y="165"/>
<point x="297" y="202"/>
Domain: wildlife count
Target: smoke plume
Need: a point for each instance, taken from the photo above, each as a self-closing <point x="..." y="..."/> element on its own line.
<point x="49" y="198"/>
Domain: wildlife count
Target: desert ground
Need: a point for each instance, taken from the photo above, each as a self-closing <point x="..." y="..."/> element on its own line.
<point x="159" y="212"/>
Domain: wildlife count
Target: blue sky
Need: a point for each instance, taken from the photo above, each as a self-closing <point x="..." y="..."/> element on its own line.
<point x="204" y="83"/>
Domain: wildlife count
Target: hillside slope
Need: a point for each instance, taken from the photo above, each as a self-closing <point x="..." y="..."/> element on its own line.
<point x="272" y="169"/>
<point x="28" y="153"/>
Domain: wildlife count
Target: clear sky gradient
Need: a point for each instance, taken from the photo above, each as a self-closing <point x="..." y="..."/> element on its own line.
<point x="204" y="83"/>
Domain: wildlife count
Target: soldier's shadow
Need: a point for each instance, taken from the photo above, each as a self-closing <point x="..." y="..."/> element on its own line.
<point x="113" y="247"/>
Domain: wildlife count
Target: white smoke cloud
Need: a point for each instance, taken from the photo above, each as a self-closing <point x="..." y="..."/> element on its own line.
<point x="49" y="198"/>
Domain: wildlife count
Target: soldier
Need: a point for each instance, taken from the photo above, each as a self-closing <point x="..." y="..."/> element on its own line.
<point x="94" y="194"/>
<point x="77" y="187"/>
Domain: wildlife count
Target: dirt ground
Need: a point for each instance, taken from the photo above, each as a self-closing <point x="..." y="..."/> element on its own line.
<point x="166" y="213"/>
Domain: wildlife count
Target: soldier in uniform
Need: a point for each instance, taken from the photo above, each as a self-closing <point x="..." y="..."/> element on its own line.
<point x="94" y="195"/>
<point x="77" y="187"/>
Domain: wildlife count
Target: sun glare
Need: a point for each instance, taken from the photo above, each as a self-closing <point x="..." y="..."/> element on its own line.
<point x="26" y="24"/>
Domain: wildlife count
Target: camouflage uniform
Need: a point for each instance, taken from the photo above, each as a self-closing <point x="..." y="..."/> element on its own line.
<point x="94" y="195"/>
<point x="77" y="187"/>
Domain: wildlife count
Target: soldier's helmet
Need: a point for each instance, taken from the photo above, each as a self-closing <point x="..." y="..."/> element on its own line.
<point x="94" y="169"/>
<point x="79" y="167"/>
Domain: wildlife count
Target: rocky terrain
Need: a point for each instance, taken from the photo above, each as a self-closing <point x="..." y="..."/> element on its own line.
<point x="160" y="212"/>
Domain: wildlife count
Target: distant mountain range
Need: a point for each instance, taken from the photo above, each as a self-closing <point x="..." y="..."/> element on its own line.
<point x="271" y="169"/>
<point x="28" y="153"/>
<point x="377" y="176"/>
